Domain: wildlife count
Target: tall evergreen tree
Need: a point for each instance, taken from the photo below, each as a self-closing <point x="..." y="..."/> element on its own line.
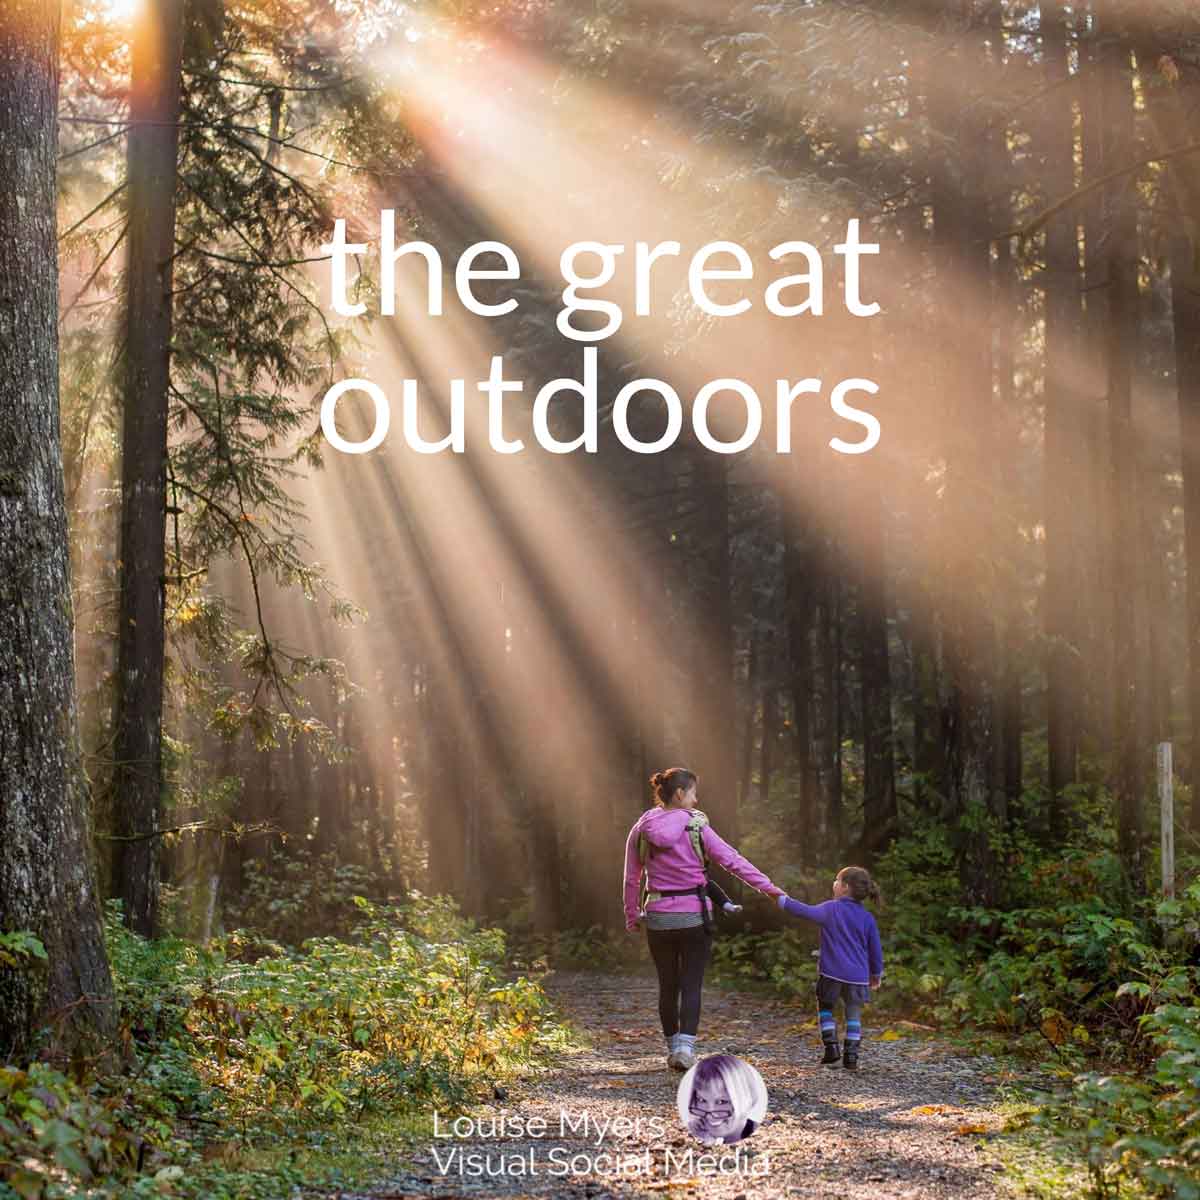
<point x="46" y="884"/>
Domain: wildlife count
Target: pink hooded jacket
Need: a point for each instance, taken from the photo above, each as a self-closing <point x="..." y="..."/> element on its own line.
<point x="672" y="863"/>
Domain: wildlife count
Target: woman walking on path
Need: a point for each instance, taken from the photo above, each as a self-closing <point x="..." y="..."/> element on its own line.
<point x="671" y="844"/>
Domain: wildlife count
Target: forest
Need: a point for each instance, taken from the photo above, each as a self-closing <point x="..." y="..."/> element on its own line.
<point x="313" y="764"/>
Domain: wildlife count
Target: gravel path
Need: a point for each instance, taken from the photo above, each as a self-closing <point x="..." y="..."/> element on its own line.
<point x="907" y="1124"/>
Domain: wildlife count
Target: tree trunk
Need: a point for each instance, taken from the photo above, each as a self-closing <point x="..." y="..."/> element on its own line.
<point x="879" y="778"/>
<point x="770" y="719"/>
<point x="46" y="879"/>
<point x="799" y="569"/>
<point x="714" y="752"/>
<point x="1064" y="441"/>
<point x="152" y="165"/>
<point x="1122" y="325"/>
<point x="880" y="814"/>
<point x="1090" y="385"/>
<point x="1185" y="303"/>
<point x="751" y="714"/>
<point x="961" y="250"/>
<point x="1008" y="686"/>
<point x="929" y="752"/>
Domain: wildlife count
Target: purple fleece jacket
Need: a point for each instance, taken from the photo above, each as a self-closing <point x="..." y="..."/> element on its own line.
<point x="673" y="863"/>
<point x="850" y="949"/>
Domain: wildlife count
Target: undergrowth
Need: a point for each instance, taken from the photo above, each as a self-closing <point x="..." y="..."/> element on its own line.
<point x="247" y="1062"/>
<point x="1095" y="990"/>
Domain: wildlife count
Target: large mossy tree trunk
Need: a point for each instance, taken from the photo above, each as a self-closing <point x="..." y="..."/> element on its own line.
<point x="153" y="162"/>
<point x="46" y="879"/>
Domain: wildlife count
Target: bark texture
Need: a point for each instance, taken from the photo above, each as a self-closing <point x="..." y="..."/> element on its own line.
<point x="46" y="880"/>
<point x="153" y="153"/>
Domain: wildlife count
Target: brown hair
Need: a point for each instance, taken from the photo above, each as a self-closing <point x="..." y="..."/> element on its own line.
<point x="860" y="883"/>
<point x="664" y="784"/>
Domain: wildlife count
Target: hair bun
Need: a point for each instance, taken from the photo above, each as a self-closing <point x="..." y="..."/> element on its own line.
<point x="665" y="783"/>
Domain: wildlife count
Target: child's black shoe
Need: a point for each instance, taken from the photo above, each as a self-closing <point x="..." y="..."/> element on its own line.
<point x="833" y="1054"/>
<point x="850" y="1057"/>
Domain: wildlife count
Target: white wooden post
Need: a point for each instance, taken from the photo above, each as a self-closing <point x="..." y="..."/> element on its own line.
<point x="1166" y="800"/>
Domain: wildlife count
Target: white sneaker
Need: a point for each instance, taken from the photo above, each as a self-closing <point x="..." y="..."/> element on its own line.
<point x="685" y="1060"/>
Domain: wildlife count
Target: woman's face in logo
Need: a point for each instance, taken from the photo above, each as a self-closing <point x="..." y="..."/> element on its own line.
<point x="711" y="1109"/>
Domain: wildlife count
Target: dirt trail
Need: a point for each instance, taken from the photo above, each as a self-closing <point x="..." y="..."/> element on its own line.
<point x="905" y="1125"/>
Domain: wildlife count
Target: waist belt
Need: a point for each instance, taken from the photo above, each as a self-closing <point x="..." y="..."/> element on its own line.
<point x="697" y="891"/>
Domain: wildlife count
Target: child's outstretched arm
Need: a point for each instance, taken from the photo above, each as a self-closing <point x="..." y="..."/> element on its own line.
<point x="810" y="912"/>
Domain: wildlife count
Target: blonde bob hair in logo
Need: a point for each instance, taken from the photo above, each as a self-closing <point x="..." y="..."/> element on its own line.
<point x="721" y="1099"/>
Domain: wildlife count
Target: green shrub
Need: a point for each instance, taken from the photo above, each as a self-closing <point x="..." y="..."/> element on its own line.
<point x="55" y="1135"/>
<point x="1142" y="1130"/>
<point x="244" y="1040"/>
<point x="288" y="897"/>
<point x="784" y="959"/>
<point x="1142" y="1127"/>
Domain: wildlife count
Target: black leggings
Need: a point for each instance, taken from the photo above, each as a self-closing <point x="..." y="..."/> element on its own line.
<point x="680" y="956"/>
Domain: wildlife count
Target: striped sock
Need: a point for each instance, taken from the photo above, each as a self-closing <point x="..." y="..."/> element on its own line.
<point x="853" y="1031"/>
<point x="687" y="1043"/>
<point x="828" y="1025"/>
<point x="673" y="1043"/>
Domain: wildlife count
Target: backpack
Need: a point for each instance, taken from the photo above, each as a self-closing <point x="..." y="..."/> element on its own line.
<point x="696" y="825"/>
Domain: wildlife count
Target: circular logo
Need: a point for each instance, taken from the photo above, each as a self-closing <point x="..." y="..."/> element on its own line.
<point x="721" y="1100"/>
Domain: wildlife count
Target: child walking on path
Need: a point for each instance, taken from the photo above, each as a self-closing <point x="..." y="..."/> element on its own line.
<point x="851" y="957"/>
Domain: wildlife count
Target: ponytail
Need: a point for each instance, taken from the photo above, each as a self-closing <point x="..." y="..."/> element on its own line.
<point x="861" y="885"/>
<point x="664" y="784"/>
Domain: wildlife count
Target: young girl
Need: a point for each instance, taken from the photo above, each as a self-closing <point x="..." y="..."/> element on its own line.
<point x="851" y="961"/>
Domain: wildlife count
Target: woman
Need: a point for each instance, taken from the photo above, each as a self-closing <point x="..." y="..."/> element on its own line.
<point x="723" y="1100"/>
<point x="677" y="914"/>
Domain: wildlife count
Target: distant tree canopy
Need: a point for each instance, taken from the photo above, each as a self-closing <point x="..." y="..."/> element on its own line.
<point x="986" y="622"/>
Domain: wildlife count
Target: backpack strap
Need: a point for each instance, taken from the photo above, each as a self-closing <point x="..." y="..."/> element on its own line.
<point x="695" y="828"/>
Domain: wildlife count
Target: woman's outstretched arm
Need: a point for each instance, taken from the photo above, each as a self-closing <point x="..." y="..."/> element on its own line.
<point x="723" y="854"/>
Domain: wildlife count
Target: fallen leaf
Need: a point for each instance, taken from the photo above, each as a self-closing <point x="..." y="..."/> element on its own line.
<point x="933" y="1110"/>
<point x="890" y="1035"/>
<point x="1056" y="1029"/>
<point x="964" y="1130"/>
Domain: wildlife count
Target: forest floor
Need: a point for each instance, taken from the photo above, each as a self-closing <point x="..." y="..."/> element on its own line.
<point x="915" y="1121"/>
